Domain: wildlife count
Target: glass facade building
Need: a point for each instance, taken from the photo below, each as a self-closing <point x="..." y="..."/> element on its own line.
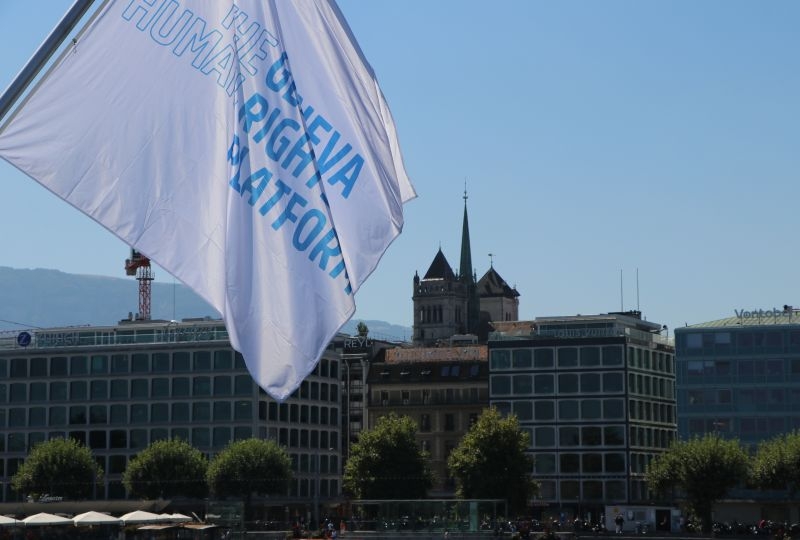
<point x="596" y="395"/>
<point x="118" y="389"/>
<point x="740" y="376"/>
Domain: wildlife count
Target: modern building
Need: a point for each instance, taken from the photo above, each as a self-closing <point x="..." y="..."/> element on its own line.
<point x="443" y="389"/>
<point x="596" y="394"/>
<point x="740" y="376"/>
<point x="119" y="388"/>
<point x="448" y="303"/>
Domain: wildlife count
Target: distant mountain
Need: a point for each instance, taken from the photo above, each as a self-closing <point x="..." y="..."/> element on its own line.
<point x="46" y="298"/>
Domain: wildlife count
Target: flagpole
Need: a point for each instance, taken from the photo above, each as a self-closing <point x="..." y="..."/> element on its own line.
<point x="42" y="55"/>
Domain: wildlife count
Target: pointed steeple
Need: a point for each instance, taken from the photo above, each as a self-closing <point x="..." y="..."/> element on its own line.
<point x="465" y="271"/>
<point x="467" y="276"/>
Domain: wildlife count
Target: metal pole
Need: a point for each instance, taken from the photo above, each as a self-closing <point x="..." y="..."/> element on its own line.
<point x="42" y="55"/>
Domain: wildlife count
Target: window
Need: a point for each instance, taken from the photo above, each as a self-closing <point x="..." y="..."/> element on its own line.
<point x="180" y="412"/>
<point x="591" y="436"/>
<point x="160" y="387"/>
<point x="544" y="437"/>
<point x="612" y="356"/>
<point x="99" y="364"/>
<point x="570" y="464"/>
<point x="181" y="361"/>
<point x="590" y="382"/>
<point x="568" y="436"/>
<point x="38" y="367"/>
<point x="568" y="409"/>
<point x="140" y="363"/>
<point x="568" y="383"/>
<point x="500" y="359"/>
<point x="590" y="356"/>
<point x="119" y="363"/>
<point x="222" y="411"/>
<point x="58" y="366"/>
<point x="522" y="385"/>
<point x="405" y="395"/>
<point x="590" y="409"/>
<point x="159" y="412"/>
<point x="522" y="358"/>
<point x="523" y="410"/>
<point x="78" y="365"/>
<point x="201" y="411"/>
<point x="139" y="388"/>
<point x="612" y="382"/>
<point x="223" y="360"/>
<point x="78" y="390"/>
<point x="161" y="362"/>
<point x="449" y="422"/>
<point x="99" y="390"/>
<point x="119" y="414"/>
<point x="201" y="386"/>
<point x="543" y="358"/>
<point x="425" y="423"/>
<point x="543" y="384"/>
<point x="544" y="410"/>
<point x="567" y="357"/>
<point x="202" y="360"/>
<point x="119" y="389"/>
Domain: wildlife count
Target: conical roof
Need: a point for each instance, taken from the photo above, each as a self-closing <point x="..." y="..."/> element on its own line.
<point x="440" y="268"/>
<point x="491" y="284"/>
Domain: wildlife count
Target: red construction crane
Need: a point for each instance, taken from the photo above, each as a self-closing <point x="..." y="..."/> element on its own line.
<point x="139" y="265"/>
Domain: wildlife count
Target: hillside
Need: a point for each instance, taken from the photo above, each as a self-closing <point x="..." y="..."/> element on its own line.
<point x="46" y="298"/>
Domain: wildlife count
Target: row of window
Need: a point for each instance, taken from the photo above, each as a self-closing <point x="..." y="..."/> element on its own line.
<point x="565" y="383"/>
<point x="157" y="387"/>
<point x="742" y="342"/>
<point x="650" y="411"/>
<point x="549" y="357"/>
<point x="568" y="409"/>
<point x="178" y="412"/>
<point x="649" y="437"/>
<point x="750" y="426"/>
<point x="742" y="397"/>
<point x="579" y="463"/>
<point x="746" y="369"/>
<point x="653" y="360"/>
<point x="648" y="385"/>
<point x="572" y="436"/>
<point x="586" y="490"/>
<point x="144" y="362"/>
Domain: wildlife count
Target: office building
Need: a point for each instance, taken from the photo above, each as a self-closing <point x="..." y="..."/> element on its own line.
<point x="596" y="394"/>
<point x="119" y="388"/>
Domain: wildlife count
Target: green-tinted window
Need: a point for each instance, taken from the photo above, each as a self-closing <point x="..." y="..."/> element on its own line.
<point x="568" y="436"/>
<point x="243" y="385"/>
<point x="201" y="411"/>
<point x="138" y="438"/>
<point x="222" y="385"/>
<point x="201" y="438"/>
<point x="222" y="411"/>
<point x="159" y="434"/>
<point x="78" y="365"/>
<point x="222" y="436"/>
<point x="223" y="360"/>
<point x="567" y="357"/>
<point x="201" y="386"/>
<point x="241" y="433"/>
<point x="545" y="410"/>
<point x="119" y="389"/>
<point x="19" y="393"/>
<point x="591" y="436"/>
<point x="99" y="364"/>
<point x="500" y="385"/>
<point x="161" y="362"/>
<point x="38" y="367"/>
<point x="181" y="361"/>
<point x="16" y="417"/>
<point x="19" y="368"/>
<point x="117" y="464"/>
<point x="523" y="385"/>
<point x="522" y="358"/>
<point x="615" y="462"/>
<point x="523" y="410"/>
<point x="612" y="382"/>
<point x="159" y="412"/>
<point x="160" y="387"/>
<point x="119" y="363"/>
<point x="140" y="363"/>
<point x="118" y="438"/>
<point x="544" y="464"/>
<point x="16" y="442"/>
<point x="77" y="415"/>
<point x="614" y="435"/>
<point x="202" y="360"/>
<point x="568" y="409"/>
<point x="58" y="366"/>
<point x="543" y="358"/>
<point x="500" y="359"/>
<point x="243" y="410"/>
<point x="138" y="413"/>
<point x="567" y="383"/>
<point x="119" y="414"/>
<point x="590" y="382"/>
<point x="592" y="463"/>
<point x="58" y="416"/>
<point x="590" y="356"/>
<point x="139" y="388"/>
<point x="58" y="391"/>
<point x="613" y="409"/>
<point x="570" y="464"/>
<point x="180" y="412"/>
<point x="590" y="409"/>
<point x="238" y="362"/>
<point x="98" y="414"/>
<point x="544" y="437"/>
<point x="99" y="390"/>
<point x="37" y="417"/>
<point x="78" y="391"/>
<point x="180" y="387"/>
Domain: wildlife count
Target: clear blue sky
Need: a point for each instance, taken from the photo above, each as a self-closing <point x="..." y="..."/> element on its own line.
<point x="594" y="137"/>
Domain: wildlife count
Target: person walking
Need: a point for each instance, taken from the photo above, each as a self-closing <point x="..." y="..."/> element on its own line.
<point x="619" y="521"/>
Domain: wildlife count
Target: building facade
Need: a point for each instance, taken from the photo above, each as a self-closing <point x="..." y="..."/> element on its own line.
<point x="117" y="389"/>
<point x="740" y="376"/>
<point x="443" y="389"/>
<point x="596" y="395"/>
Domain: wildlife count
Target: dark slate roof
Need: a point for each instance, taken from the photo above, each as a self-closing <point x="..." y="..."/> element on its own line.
<point x="491" y="284"/>
<point x="440" y="268"/>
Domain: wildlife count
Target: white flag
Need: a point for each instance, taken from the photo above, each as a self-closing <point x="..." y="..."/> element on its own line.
<point x="245" y="147"/>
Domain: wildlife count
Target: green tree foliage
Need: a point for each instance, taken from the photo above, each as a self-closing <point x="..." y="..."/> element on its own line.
<point x="703" y="468"/>
<point x="386" y="462"/>
<point x="776" y="465"/>
<point x="491" y="463"/>
<point x="250" y="466"/>
<point x="362" y="329"/>
<point x="166" y="469"/>
<point x="58" y="467"/>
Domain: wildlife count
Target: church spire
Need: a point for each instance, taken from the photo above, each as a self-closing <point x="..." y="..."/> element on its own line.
<point x="465" y="271"/>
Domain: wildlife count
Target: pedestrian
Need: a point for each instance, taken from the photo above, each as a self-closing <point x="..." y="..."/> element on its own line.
<point x="619" y="521"/>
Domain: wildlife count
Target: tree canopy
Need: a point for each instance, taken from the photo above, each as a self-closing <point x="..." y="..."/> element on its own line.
<point x="491" y="462"/>
<point x="387" y="463"/>
<point x="704" y="468"/>
<point x="776" y="464"/>
<point x="250" y="466"/>
<point x="166" y="469"/>
<point x="58" y="467"/>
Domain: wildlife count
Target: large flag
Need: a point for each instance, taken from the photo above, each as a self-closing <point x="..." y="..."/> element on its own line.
<point x="245" y="147"/>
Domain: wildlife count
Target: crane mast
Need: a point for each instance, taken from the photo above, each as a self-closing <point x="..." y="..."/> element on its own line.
<point x="139" y="265"/>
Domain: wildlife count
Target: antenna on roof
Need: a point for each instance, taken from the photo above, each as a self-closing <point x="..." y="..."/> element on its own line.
<point x="491" y="260"/>
<point x="621" y="303"/>
<point x="637" y="291"/>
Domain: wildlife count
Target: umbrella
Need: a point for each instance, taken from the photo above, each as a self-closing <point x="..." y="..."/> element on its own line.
<point x="140" y="516"/>
<point x="8" y="522"/>
<point x="177" y="518"/>
<point x="95" y="518"/>
<point x="43" y="518"/>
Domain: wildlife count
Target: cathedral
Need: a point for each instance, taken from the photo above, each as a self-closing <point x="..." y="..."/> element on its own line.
<point x="449" y="304"/>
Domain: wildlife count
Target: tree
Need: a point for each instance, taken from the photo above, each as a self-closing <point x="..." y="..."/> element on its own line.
<point x="58" y="467"/>
<point x="705" y="469"/>
<point x="386" y="462"/>
<point x="166" y="469"/>
<point x="491" y="461"/>
<point x="362" y="329"/>
<point x="250" y="466"/>
<point x="776" y="464"/>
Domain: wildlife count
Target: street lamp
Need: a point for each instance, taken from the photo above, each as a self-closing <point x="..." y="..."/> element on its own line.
<point x="317" y="472"/>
